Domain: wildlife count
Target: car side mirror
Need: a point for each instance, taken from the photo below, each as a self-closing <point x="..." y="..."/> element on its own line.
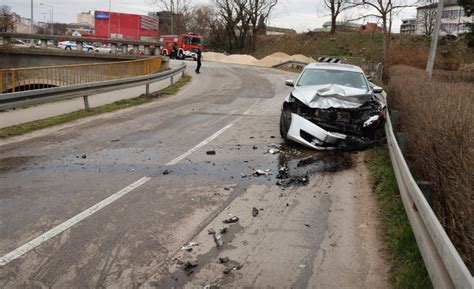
<point x="377" y="89"/>
<point x="290" y="82"/>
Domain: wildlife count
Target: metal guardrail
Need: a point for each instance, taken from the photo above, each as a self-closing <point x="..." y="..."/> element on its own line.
<point x="291" y="62"/>
<point x="18" y="79"/>
<point x="26" y="98"/>
<point x="444" y="265"/>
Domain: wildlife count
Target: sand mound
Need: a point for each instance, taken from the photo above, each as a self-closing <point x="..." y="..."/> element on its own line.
<point x="301" y="57"/>
<point x="267" y="61"/>
<point x="241" y="58"/>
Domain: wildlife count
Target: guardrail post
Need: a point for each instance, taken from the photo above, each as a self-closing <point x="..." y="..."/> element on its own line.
<point x="157" y="50"/>
<point x="147" y="89"/>
<point x="124" y="48"/>
<point x="135" y="48"/>
<point x="402" y="140"/>
<point x="44" y="43"/>
<point x="113" y="48"/>
<point x="427" y="190"/>
<point x="395" y="118"/>
<point x="172" y="80"/>
<point x="86" y="102"/>
<point x="147" y="50"/>
<point x="79" y="45"/>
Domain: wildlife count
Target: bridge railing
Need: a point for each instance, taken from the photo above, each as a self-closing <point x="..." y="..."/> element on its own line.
<point x="20" y="79"/>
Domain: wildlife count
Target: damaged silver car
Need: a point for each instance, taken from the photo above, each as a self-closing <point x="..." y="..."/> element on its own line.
<point x="333" y="106"/>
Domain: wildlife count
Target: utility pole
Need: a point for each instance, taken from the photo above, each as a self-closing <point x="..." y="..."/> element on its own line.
<point x="32" y="23"/>
<point x="434" y="39"/>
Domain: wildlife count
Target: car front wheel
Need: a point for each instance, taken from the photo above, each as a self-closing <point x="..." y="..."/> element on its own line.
<point x="285" y="122"/>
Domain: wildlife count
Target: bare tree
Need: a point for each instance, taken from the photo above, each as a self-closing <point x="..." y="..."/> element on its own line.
<point x="336" y="7"/>
<point x="383" y="10"/>
<point x="258" y="9"/>
<point x="427" y="17"/>
<point x="7" y="20"/>
<point x="178" y="13"/>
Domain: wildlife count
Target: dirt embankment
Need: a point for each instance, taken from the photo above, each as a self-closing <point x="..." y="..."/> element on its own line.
<point x="267" y="61"/>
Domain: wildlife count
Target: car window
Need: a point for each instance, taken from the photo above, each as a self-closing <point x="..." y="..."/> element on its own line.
<point x="322" y="76"/>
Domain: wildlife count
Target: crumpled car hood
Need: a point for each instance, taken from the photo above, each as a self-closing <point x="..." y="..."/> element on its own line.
<point x="331" y="95"/>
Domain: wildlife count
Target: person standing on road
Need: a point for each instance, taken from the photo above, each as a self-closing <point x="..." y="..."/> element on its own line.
<point x="198" y="59"/>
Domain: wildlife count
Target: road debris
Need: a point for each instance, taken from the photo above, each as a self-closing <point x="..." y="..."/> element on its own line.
<point x="273" y="151"/>
<point x="218" y="240"/>
<point x="255" y="147"/>
<point x="223" y="230"/>
<point x="307" y="225"/>
<point x="227" y="188"/>
<point x="211" y="152"/>
<point x="189" y="247"/>
<point x="243" y="175"/>
<point x="229" y="269"/>
<point x="211" y="231"/>
<point x="115" y="140"/>
<point x="166" y="172"/>
<point x="224" y="259"/>
<point x="231" y="220"/>
<point x="254" y="211"/>
<point x="259" y="173"/>
<point x="83" y="156"/>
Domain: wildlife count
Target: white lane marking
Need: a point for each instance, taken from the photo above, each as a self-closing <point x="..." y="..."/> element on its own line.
<point x="69" y="223"/>
<point x="206" y="141"/>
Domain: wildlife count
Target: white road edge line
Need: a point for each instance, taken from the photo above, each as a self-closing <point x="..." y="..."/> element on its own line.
<point x="7" y="258"/>
<point x="206" y="141"/>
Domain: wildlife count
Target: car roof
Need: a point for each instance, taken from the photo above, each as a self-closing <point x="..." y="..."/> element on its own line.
<point x="334" y="66"/>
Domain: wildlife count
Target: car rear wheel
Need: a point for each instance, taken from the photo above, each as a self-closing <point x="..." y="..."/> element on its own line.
<point x="68" y="48"/>
<point x="285" y="122"/>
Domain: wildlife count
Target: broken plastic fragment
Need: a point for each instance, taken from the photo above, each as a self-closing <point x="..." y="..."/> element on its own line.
<point x="218" y="240"/>
<point x="211" y="152"/>
<point x="254" y="211"/>
<point x="233" y="219"/>
<point x="224" y="259"/>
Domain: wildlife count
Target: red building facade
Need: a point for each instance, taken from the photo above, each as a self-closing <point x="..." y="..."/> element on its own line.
<point x="126" y="26"/>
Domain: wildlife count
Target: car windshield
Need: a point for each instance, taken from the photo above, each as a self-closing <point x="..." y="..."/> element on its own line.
<point x="329" y="76"/>
<point x="196" y="41"/>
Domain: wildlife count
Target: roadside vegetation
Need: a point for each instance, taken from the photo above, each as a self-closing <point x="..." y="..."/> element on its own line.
<point x="438" y="116"/>
<point x="451" y="54"/>
<point x="121" y="104"/>
<point x="408" y="270"/>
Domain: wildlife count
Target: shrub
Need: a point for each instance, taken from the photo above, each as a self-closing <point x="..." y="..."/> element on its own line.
<point x="438" y="115"/>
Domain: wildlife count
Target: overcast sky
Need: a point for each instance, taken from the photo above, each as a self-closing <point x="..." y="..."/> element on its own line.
<point x="301" y="15"/>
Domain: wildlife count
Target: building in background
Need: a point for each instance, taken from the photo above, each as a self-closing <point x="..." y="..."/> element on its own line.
<point x="22" y="24"/>
<point x="85" y="17"/>
<point x="408" y="26"/>
<point x="370" y="27"/>
<point x="453" y="20"/>
<point x="79" y="29"/>
<point x="270" y="30"/>
<point x="340" y="27"/>
<point x="126" y="26"/>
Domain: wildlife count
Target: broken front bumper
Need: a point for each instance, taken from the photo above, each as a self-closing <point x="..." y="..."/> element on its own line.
<point x="307" y="133"/>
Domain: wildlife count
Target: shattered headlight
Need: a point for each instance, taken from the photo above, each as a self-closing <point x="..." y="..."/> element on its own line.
<point x="371" y="120"/>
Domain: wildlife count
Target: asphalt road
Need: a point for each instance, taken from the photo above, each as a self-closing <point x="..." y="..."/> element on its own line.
<point x="319" y="235"/>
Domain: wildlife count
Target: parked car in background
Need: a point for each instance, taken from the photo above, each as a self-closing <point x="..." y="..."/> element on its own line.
<point x="72" y="45"/>
<point x="333" y="106"/>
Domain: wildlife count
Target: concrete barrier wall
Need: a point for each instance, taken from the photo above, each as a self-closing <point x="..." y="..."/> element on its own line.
<point x="24" y="115"/>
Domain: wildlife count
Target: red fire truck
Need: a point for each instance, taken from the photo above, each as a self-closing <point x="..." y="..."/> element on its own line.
<point x="185" y="45"/>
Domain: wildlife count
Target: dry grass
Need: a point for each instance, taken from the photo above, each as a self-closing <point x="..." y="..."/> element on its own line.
<point x="438" y="115"/>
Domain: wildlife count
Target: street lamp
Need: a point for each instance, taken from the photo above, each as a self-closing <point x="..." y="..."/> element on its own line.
<point x="52" y="16"/>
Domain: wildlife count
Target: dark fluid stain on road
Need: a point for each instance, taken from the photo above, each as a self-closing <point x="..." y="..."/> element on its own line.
<point x="12" y="163"/>
<point x="296" y="163"/>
